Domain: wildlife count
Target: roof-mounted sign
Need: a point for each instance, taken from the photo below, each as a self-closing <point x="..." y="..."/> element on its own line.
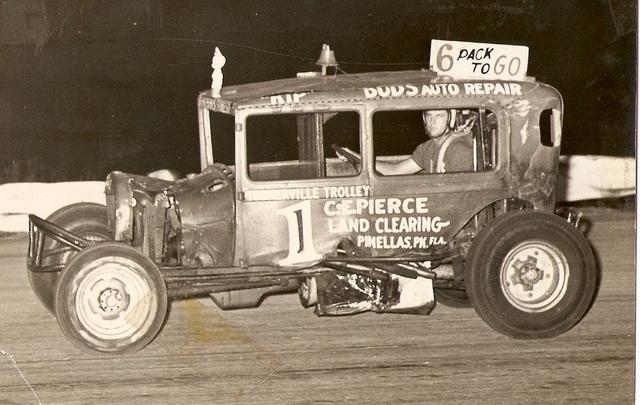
<point x="479" y="60"/>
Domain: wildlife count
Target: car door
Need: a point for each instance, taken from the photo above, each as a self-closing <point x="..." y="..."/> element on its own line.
<point x="430" y="207"/>
<point x="291" y="184"/>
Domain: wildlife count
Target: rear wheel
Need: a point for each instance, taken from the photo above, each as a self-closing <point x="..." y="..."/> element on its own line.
<point x="111" y="298"/>
<point x="530" y="275"/>
<point x="87" y="220"/>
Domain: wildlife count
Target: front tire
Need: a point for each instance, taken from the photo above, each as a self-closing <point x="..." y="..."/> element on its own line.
<point x="530" y="275"/>
<point x="87" y="220"/>
<point x="111" y="298"/>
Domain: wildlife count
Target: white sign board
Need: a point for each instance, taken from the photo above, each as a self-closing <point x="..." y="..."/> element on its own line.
<point x="478" y="60"/>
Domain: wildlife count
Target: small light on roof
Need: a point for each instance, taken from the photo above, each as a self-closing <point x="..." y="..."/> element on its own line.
<point x="327" y="58"/>
<point x="217" y="62"/>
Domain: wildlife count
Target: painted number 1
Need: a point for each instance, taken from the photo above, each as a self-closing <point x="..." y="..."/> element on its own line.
<point x="301" y="247"/>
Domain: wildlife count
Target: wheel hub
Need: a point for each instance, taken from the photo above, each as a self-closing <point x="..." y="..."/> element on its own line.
<point x="526" y="273"/>
<point x="534" y="276"/>
<point x="111" y="300"/>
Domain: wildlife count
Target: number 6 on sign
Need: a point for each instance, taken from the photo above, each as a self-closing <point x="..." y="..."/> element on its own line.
<point x="301" y="247"/>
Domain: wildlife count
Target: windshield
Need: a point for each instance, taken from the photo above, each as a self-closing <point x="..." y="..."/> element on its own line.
<point x="217" y="138"/>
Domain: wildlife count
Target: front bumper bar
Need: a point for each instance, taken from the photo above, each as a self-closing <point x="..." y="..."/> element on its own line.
<point x="39" y="229"/>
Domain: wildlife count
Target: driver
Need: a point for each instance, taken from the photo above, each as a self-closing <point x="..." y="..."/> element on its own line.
<point x="447" y="150"/>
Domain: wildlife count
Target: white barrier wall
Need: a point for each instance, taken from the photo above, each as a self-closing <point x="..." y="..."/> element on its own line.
<point x="592" y="177"/>
<point x="580" y="178"/>
<point x="17" y="200"/>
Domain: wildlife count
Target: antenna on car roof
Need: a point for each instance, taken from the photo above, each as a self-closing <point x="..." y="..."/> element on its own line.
<point x="327" y="58"/>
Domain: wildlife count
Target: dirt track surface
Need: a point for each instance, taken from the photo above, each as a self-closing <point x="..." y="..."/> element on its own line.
<point x="281" y="353"/>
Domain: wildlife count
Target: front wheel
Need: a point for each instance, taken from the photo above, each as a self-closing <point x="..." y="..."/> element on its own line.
<point x="530" y="275"/>
<point x="111" y="298"/>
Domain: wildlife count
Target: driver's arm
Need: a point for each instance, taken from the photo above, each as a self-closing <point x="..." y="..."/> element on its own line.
<point x="407" y="166"/>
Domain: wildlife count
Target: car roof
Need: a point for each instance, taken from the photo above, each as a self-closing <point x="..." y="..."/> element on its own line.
<point x="313" y="89"/>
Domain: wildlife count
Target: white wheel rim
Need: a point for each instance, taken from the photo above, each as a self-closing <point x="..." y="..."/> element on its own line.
<point x="113" y="300"/>
<point x="534" y="276"/>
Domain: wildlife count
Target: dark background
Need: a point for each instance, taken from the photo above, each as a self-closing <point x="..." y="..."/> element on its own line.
<point x="90" y="86"/>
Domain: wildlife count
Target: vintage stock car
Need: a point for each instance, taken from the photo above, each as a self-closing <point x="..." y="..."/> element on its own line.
<point x="295" y="208"/>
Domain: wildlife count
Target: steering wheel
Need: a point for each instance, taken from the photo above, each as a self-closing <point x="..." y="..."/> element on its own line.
<point x="351" y="158"/>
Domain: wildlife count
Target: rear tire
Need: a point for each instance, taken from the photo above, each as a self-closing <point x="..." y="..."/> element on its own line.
<point x="87" y="220"/>
<point x="111" y="298"/>
<point x="530" y="275"/>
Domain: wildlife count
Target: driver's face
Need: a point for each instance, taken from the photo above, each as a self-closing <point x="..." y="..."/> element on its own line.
<point x="435" y="122"/>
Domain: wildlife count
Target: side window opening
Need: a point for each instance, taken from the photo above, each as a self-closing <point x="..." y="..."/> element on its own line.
<point x="298" y="146"/>
<point x="217" y="138"/>
<point x="550" y="127"/>
<point x="223" y="137"/>
<point x="437" y="141"/>
<point x="546" y="136"/>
